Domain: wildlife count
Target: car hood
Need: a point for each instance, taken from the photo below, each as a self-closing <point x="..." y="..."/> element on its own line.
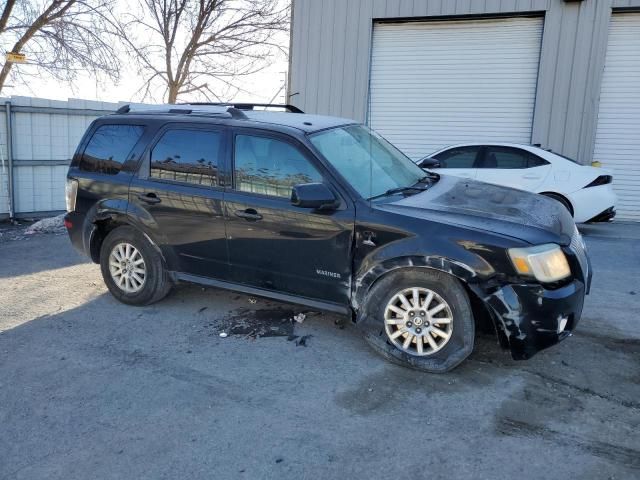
<point x="527" y="216"/>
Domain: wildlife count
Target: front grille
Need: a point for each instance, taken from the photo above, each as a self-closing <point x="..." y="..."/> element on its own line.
<point x="579" y="249"/>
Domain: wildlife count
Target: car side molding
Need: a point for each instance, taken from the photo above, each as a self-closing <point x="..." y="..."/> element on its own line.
<point x="308" y="302"/>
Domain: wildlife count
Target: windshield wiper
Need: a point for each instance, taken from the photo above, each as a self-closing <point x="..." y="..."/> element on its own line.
<point x="393" y="191"/>
<point x="429" y="177"/>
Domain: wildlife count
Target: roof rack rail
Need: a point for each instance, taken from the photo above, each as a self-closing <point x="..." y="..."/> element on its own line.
<point x="195" y="108"/>
<point x="252" y="106"/>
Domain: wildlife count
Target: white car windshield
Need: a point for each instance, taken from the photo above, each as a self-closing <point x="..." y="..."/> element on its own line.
<point x="366" y="160"/>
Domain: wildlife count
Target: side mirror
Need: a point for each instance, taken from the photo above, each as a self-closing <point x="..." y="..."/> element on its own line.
<point x="428" y="162"/>
<point x="313" y="195"/>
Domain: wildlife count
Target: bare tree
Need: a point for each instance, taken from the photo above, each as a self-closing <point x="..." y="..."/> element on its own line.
<point x="59" y="37"/>
<point x="202" y="47"/>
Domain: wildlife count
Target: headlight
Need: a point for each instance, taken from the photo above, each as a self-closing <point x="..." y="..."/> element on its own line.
<point x="547" y="263"/>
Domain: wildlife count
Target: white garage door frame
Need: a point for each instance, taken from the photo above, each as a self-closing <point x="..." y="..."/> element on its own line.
<point x="440" y="82"/>
<point x="617" y="144"/>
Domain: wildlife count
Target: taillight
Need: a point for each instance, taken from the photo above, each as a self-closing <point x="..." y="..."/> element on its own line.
<point x="601" y="180"/>
<point x="71" y="192"/>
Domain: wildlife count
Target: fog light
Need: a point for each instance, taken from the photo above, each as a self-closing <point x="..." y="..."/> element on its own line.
<point x="562" y="323"/>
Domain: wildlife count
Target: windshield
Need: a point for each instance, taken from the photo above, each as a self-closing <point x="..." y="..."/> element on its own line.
<point x="366" y="160"/>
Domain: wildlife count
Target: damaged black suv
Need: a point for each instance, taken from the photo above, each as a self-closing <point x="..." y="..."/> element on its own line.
<point x="323" y="212"/>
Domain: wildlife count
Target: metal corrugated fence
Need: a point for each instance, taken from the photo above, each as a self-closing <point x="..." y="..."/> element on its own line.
<point x="37" y="140"/>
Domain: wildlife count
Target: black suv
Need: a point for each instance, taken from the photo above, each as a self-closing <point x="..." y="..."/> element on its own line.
<point x="323" y="212"/>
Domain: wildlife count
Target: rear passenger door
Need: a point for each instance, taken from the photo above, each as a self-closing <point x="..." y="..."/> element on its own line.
<point x="513" y="167"/>
<point x="274" y="245"/>
<point x="178" y="194"/>
<point x="459" y="161"/>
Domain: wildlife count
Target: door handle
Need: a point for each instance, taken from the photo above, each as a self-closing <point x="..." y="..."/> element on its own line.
<point x="249" y="214"/>
<point x="150" y="198"/>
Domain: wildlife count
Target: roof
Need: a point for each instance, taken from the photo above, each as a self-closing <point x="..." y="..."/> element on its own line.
<point x="492" y="144"/>
<point x="301" y="121"/>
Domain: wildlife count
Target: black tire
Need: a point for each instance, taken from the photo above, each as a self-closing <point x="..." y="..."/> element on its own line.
<point x="560" y="199"/>
<point x="157" y="283"/>
<point x="449" y="288"/>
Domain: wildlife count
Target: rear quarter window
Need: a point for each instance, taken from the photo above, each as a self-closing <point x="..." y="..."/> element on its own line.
<point x="109" y="147"/>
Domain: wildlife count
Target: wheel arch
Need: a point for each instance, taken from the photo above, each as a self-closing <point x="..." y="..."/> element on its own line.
<point x="109" y="215"/>
<point x="562" y="198"/>
<point x="99" y="222"/>
<point x="366" y="280"/>
<point x="484" y="320"/>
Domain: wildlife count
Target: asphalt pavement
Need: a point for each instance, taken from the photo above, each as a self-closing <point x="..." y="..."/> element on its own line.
<point x="91" y="388"/>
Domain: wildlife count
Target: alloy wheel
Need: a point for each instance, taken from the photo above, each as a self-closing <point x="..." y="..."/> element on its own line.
<point x="418" y="321"/>
<point x="127" y="267"/>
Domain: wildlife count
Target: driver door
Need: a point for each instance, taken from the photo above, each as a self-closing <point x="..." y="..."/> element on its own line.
<point x="274" y="245"/>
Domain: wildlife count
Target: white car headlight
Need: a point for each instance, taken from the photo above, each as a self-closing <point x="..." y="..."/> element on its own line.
<point x="547" y="263"/>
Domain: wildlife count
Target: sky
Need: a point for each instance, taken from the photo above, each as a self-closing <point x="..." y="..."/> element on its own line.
<point x="262" y="86"/>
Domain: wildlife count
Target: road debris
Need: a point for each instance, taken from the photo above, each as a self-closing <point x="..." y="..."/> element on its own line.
<point x="299" y="317"/>
<point x="224" y="334"/>
<point x="253" y="301"/>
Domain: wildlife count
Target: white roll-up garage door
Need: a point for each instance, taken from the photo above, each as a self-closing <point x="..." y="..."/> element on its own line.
<point x="439" y="83"/>
<point x="618" y="134"/>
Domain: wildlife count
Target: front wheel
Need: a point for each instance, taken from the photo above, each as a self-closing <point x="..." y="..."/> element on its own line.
<point x="132" y="269"/>
<point x="420" y="318"/>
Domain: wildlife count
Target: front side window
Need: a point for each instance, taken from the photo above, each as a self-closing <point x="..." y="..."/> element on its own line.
<point x="188" y="156"/>
<point x="366" y="160"/>
<point x="270" y="167"/>
<point x="109" y="148"/>
<point x="463" y="157"/>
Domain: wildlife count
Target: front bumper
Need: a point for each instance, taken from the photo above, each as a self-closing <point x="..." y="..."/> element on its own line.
<point x="530" y="318"/>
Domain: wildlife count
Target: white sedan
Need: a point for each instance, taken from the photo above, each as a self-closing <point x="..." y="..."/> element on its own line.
<point x="584" y="190"/>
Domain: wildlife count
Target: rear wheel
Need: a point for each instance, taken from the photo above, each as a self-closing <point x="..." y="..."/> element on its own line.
<point x="561" y="200"/>
<point x="420" y="318"/>
<point x="132" y="269"/>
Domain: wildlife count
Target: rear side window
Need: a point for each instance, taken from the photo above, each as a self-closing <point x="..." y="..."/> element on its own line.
<point x="188" y="156"/>
<point x="536" y="161"/>
<point x="510" y="158"/>
<point x="109" y="148"/>
<point x="464" y="157"/>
